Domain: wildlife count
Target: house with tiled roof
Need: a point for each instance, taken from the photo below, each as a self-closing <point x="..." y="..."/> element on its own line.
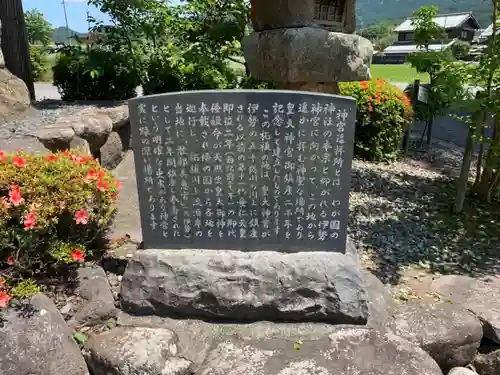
<point x="457" y="26"/>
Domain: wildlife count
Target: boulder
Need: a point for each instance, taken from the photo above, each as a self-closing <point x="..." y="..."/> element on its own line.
<point x="245" y="286"/>
<point x="92" y="125"/>
<point x="482" y="297"/>
<point x="461" y="371"/>
<point x="35" y="340"/>
<point x="349" y="350"/>
<point x="449" y="333"/>
<point x="114" y="150"/>
<point x="14" y="96"/>
<point x="307" y="55"/>
<point x="380" y="304"/>
<point x="126" y="351"/>
<point x="487" y="361"/>
<point x="99" y="305"/>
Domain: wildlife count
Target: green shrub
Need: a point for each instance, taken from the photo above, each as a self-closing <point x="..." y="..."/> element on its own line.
<point x="383" y="113"/>
<point x="94" y="74"/>
<point x="54" y="208"/>
<point x="168" y="73"/>
<point x="39" y="62"/>
<point x="461" y="49"/>
<point x="249" y="82"/>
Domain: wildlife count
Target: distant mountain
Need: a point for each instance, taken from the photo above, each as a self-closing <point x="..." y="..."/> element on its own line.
<point x="62" y="33"/>
<point x="370" y="12"/>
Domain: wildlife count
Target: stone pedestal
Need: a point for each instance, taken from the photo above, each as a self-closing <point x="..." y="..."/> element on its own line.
<point x="289" y="49"/>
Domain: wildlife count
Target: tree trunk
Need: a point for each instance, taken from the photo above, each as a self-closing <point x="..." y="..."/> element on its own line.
<point x="15" y="42"/>
<point x="463" y="180"/>
<point x="480" y="156"/>
<point x="491" y="164"/>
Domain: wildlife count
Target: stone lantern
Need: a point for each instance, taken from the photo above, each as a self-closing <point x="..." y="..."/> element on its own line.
<point x="306" y="44"/>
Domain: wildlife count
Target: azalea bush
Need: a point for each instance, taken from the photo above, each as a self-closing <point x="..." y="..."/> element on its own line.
<point x="383" y="113"/>
<point x="54" y="208"/>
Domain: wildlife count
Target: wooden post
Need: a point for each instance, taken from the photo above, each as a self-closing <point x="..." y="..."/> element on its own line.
<point x="15" y="42"/>
<point x="414" y="100"/>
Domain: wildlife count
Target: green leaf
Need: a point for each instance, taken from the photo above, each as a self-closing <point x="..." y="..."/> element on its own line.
<point x="111" y="323"/>
<point x="80" y="338"/>
<point x="297" y="344"/>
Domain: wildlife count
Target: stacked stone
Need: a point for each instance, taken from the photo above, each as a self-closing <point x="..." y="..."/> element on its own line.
<point x="290" y="49"/>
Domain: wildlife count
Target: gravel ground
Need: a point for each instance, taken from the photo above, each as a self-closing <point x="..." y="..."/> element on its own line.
<point x="45" y="112"/>
<point x="401" y="217"/>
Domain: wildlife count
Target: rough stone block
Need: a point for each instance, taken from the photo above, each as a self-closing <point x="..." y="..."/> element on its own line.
<point x="347" y="351"/>
<point x="245" y="286"/>
<point x="449" y="333"/>
<point x="307" y="55"/>
<point x="127" y="351"/>
<point x="35" y="340"/>
<point x="14" y="96"/>
<point x="275" y="14"/>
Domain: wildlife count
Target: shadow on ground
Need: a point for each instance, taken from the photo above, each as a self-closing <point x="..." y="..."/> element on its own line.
<point x="404" y="219"/>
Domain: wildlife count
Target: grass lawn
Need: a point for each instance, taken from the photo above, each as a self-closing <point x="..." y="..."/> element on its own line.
<point x="403" y="73"/>
<point x="47" y="75"/>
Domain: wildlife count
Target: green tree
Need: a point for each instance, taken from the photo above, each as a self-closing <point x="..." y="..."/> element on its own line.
<point x="487" y="75"/>
<point x="38" y="28"/>
<point x="446" y="74"/>
<point x="199" y="35"/>
<point x="381" y="35"/>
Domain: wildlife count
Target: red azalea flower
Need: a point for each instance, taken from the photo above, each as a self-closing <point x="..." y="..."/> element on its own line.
<point x="67" y="153"/>
<point x="50" y="157"/>
<point x="10" y="260"/>
<point x="3" y="157"/>
<point x="377" y="100"/>
<point x="102" y="185"/>
<point x="386" y="97"/>
<point x="78" y="255"/>
<point x="91" y="175"/>
<point x="81" y="217"/>
<point x="78" y="159"/>
<point x="4" y="299"/>
<point x="370" y="98"/>
<point x="364" y="84"/>
<point x="15" y="196"/>
<point x="18" y="161"/>
<point x="367" y="89"/>
<point x="29" y="221"/>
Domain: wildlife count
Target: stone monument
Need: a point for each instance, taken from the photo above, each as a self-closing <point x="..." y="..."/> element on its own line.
<point x="244" y="170"/>
<point x="289" y="48"/>
<point x="248" y="176"/>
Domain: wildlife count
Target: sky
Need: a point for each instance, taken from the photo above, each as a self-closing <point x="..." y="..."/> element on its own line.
<point x="75" y="9"/>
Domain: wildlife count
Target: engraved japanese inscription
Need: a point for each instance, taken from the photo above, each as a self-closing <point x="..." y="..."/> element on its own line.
<point x="243" y="169"/>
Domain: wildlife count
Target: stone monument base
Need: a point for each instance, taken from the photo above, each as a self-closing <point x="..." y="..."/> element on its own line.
<point x="238" y="286"/>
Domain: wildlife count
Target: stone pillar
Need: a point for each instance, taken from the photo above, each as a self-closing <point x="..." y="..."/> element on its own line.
<point x="290" y="49"/>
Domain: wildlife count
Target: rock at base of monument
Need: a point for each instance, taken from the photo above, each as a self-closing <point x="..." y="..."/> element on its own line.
<point x="307" y="54"/>
<point x="347" y="351"/>
<point x="245" y="286"/>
